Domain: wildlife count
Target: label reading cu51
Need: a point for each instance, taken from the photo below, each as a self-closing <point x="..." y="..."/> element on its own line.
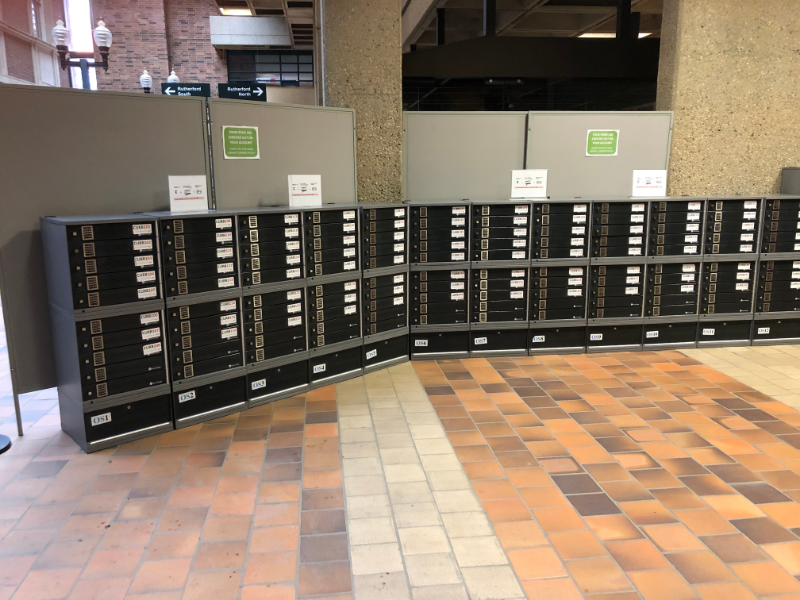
<point x="763" y="331"/>
<point x="319" y="368"/>
<point x="708" y="331"/>
<point x="101" y="419"/>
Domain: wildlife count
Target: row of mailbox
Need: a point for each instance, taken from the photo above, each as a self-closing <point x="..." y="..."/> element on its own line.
<point x="575" y="292"/>
<point x="118" y="263"/>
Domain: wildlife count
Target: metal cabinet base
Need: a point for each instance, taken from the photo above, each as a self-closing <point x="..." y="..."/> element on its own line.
<point x="660" y="335"/>
<point x="209" y="401"/>
<point x="557" y="340"/>
<point x="724" y="333"/>
<point x="776" y="331"/>
<point x="332" y="367"/>
<point x="614" y="338"/>
<point x="439" y="344"/>
<point x="503" y="342"/>
<point x="278" y="382"/>
<point x="385" y="353"/>
<point x="112" y="426"/>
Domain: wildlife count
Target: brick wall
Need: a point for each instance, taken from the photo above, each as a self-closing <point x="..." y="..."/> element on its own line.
<point x="15" y="13"/>
<point x="140" y="42"/>
<point x="54" y="11"/>
<point x="19" y="57"/>
<point x="189" y="42"/>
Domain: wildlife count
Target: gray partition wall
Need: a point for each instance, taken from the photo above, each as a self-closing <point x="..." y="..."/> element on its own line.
<point x="557" y="142"/>
<point x="293" y="140"/>
<point x="456" y="155"/>
<point x="71" y="152"/>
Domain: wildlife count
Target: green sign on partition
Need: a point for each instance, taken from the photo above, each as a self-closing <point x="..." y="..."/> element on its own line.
<point x="240" y="142"/>
<point x="602" y="142"/>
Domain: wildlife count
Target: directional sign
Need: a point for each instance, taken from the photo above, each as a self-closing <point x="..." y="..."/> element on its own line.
<point x="243" y="90"/>
<point x="186" y="89"/>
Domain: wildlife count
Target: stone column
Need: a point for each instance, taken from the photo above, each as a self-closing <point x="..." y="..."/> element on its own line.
<point x="730" y="69"/>
<point x="362" y="69"/>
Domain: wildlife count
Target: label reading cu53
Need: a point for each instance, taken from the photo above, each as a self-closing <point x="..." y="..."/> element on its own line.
<point x="186" y="396"/>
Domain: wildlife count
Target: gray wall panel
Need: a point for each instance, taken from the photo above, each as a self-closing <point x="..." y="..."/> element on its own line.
<point x="70" y="152"/>
<point x="557" y="142"/>
<point x="455" y="155"/>
<point x="293" y="140"/>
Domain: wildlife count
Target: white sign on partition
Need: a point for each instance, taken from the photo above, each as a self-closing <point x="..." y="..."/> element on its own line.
<point x="649" y="183"/>
<point x="187" y="193"/>
<point x="529" y="183"/>
<point x="305" y="190"/>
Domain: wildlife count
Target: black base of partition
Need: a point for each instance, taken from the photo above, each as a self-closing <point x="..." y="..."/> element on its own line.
<point x="5" y="443"/>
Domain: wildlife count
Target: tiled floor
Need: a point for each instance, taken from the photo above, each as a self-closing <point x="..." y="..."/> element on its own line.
<point x="633" y="474"/>
<point x="609" y="477"/>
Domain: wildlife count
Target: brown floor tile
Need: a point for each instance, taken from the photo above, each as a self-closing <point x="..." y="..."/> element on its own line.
<point x="704" y="522"/>
<point x="626" y="491"/>
<point x="576" y="544"/>
<point x="647" y="512"/>
<point x="493" y="489"/>
<point x="700" y="567"/>
<point x="520" y="534"/>
<point x="555" y="589"/>
<point x="516" y="460"/>
<point x="767" y="578"/>
<point x="672" y="538"/>
<point x="611" y="528"/>
<point x="324" y="578"/>
<point x="598" y="575"/>
<point x="323" y="548"/>
<point x="662" y="585"/>
<point x="543" y="497"/>
<point x="220" y="555"/>
<point x="763" y="530"/>
<point x="637" y="555"/>
<point x="536" y="563"/>
<point x="271" y="567"/>
<point x="485" y="470"/>
<point x="725" y="591"/>
<point x="500" y="511"/>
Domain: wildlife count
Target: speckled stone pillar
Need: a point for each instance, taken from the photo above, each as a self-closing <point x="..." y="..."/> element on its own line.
<point x="363" y="70"/>
<point x="730" y="69"/>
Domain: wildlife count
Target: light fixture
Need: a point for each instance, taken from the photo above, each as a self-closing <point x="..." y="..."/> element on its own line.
<point x="102" y="37"/>
<point x="146" y="81"/>
<point x="173" y="78"/>
<point x="61" y="36"/>
<point x="236" y="12"/>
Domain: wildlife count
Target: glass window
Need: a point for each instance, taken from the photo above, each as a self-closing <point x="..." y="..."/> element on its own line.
<point x="273" y="67"/>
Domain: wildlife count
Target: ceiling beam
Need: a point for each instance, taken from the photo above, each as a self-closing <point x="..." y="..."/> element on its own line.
<point x="415" y="19"/>
<point x="531" y="57"/>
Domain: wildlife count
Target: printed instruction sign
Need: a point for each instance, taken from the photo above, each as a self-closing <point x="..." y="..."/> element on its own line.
<point x="187" y="193"/>
<point x="649" y="183"/>
<point x="529" y="183"/>
<point x="602" y="142"/>
<point x="240" y="142"/>
<point x="305" y="190"/>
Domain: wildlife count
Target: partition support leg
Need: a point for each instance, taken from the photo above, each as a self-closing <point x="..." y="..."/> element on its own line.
<point x="18" y="413"/>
